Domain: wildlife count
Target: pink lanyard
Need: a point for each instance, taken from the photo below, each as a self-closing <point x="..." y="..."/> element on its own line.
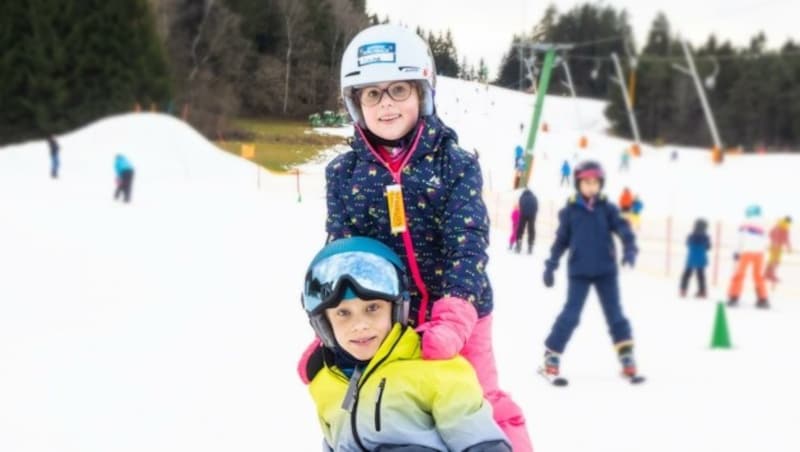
<point x="407" y="242"/>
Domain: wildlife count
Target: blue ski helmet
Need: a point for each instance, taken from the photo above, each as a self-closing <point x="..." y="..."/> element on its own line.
<point x="753" y="210"/>
<point x="355" y="267"/>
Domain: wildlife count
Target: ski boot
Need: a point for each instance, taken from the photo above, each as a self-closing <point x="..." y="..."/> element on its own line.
<point x="550" y="369"/>
<point x="733" y="302"/>
<point x="629" y="371"/>
<point x="763" y="303"/>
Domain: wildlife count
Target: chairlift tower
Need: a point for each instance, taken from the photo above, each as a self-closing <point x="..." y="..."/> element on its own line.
<point x="549" y="49"/>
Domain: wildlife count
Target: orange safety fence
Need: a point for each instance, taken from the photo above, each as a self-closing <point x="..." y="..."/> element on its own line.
<point x="662" y="244"/>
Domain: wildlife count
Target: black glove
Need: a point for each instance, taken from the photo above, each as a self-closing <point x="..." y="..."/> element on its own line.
<point x="549" y="278"/>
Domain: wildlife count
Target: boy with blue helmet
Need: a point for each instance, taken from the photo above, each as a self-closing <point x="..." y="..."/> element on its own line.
<point x="371" y="387"/>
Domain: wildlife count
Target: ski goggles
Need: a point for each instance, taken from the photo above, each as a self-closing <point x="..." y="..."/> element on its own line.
<point x="353" y="274"/>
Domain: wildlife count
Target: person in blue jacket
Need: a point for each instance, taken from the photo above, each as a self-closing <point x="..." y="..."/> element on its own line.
<point x="565" y="172"/>
<point x="124" y="172"/>
<point x="585" y="229"/>
<point x="698" y="244"/>
<point x="55" y="160"/>
<point x="519" y="165"/>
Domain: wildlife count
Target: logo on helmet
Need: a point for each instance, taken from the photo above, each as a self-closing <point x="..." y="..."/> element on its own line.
<point x="379" y="52"/>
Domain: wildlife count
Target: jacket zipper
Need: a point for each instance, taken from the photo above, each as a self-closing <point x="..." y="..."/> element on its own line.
<point x="378" y="399"/>
<point x="354" y="409"/>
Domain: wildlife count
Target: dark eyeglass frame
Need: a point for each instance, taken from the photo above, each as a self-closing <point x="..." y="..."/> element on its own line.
<point x="358" y="93"/>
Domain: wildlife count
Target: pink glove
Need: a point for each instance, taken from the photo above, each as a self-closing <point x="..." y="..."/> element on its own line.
<point x="302" y="366"/>
<point x="451" y="324"/>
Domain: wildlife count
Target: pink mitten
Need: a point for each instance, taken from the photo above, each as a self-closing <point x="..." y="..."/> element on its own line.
<point x="451" y="324"/>
<point x="303" y="365"/>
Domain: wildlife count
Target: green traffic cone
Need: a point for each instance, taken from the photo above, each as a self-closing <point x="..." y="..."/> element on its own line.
<point x="720" y="338"/>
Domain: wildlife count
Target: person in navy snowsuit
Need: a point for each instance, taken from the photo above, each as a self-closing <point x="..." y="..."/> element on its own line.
<point x="585" y="229"/>
<point x="698" y="244"/>
<point x="55" y="161"/>
<point x="528" y="206"/>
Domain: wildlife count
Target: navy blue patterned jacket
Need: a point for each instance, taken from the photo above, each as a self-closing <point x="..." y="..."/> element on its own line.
<point x="587" y="233"/>
<point x="445" y="212"/>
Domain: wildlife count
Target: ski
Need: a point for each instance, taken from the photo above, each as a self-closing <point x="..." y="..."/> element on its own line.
<point x="554" y="380"/>
<point x="634" y="379"/>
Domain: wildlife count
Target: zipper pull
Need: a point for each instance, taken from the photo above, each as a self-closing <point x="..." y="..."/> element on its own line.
<point x="352" y="391"/>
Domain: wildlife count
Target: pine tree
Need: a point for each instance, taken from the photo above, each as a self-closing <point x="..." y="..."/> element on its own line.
<point x="74" y="62"/>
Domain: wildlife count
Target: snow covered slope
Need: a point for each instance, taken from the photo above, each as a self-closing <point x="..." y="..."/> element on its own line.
<point x="173" y="323"/>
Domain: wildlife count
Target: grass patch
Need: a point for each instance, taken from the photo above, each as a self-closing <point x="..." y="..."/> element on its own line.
<point x="280" y="143"/>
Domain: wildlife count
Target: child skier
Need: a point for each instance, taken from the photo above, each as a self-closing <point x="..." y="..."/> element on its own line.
<point x="698" y="244"/>
<point x="778" y="240"/>
<point x="408" y="184"/>
<point x="528" y="207"/>
<point x="750" y="252"/>
<point x="626" y="200"/>
<point x="371" y="387"/>
<point x="514" y="225"/>
<point x="124" y="171"/>
<point x="636" y="212"/>
<point x="585" y="228"/>
<point x="55" y="161"/>
<point x="565" y="172"/>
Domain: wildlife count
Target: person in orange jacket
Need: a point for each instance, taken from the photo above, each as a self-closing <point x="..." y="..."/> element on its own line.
<point x="779" y="239"/>
<point x="626" y="200"/>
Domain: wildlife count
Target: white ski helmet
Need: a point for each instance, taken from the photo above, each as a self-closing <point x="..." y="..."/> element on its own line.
<point x="384" y="53"/>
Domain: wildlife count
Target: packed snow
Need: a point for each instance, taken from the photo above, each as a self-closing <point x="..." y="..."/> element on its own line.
<point x="174" y="323"/>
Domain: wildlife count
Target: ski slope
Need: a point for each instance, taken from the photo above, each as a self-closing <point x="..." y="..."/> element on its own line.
<point x="173" y="323"/>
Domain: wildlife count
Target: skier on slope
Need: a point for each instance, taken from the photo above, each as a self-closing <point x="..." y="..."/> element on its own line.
<point x="750" y="252"/>
<point x="698" y="243"/>
<point x="407" y="183"/>
<point x="512" y="240"/>
<point x="778" y="240"/>
<point x="528" y="207"/>
<point x="124" y="172"/>
<point x="585" y="227"/>
<point x="565" y="172"/>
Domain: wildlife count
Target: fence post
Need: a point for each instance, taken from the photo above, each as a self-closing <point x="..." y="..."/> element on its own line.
<point x="497" y="208"/>
<point x="299" y="196"/>
<point x="717" y="245"/>
<point x="669" y="243"/>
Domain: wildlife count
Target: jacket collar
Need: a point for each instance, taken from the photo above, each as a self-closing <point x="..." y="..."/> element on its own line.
<point x="402" y="343"/>
<point x="434" y="132"/>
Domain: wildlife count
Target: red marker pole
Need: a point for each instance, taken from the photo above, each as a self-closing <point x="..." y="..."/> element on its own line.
<point x="717" y="245"/>
<point x="299" y="196"/>
<point x="669" y="242"/>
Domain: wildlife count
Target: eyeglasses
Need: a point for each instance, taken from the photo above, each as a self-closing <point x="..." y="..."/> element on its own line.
<point x="397" y="91"/>
<point x="367" y="275"/>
